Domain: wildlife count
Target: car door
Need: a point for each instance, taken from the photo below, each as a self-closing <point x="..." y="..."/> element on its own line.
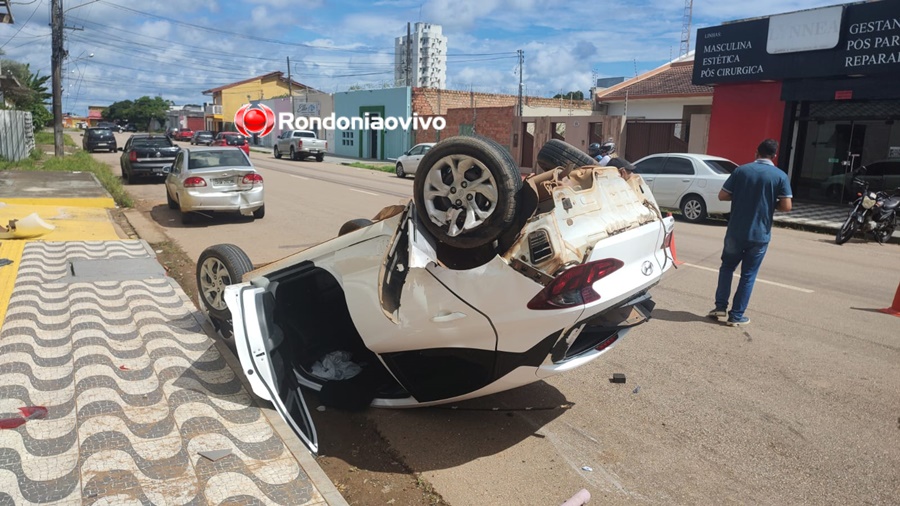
<point x="649" y="168"/>
<point x="673" y="181"/>
<point x="257" y="338"/>
<point x="174" y="177"/>
<point x="411" y="160"/>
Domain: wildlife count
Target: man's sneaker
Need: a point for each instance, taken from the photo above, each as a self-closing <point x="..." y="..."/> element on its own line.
<point x="715" y="314"/>
<point x="737" y="322"/>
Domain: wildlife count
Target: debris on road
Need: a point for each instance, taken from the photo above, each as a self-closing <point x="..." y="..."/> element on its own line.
<point x="617" y="378"/>
<point x="215" y="455"/>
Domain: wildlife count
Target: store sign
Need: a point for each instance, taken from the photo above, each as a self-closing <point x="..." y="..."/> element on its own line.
<point x="802" y="45"/>
<point x="307" y="109"/>
<point x="805" y="31"/>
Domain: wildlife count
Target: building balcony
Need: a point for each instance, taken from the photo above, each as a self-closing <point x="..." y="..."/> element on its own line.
<point x="213" y="110"/>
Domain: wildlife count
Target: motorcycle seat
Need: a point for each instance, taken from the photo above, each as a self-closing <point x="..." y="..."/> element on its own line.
<point x="891" y="203"/>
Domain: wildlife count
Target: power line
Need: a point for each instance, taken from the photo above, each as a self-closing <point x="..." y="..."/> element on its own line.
<point x="23" y="25"/>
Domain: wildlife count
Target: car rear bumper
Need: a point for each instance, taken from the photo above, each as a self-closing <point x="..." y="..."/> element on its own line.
<point x="150" y="168"/>
<point x="244" y="201"/>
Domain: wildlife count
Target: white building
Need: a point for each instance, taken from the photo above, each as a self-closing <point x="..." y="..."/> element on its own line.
<point x="427" y="57"/>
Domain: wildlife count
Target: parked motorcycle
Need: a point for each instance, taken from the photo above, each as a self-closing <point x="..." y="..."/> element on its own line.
<point x="871" y="212"/>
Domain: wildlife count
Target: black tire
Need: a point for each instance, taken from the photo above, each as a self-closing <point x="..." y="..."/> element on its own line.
<point x="320" y="157"/>
<point x="557" y="153"/>
<point x="293" y="154"/>
<point x="211" y="282"/>
<point x="400" y="172"/>
<point x="503" y="175"/>
<point x="260" y="213"/>
<point x="847" y="229"/>
<point x="693" y="208"/>
<point x="170" y="201"/>
<point x="276" y="153"/>
<point x="884" y="235"/>
<point x="126" y="177"/>
<point x="352" y="225"/>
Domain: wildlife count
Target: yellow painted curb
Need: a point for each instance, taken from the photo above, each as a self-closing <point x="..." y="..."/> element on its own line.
<point x="72" y="223"/>
<point x="10" y="250"/>
<point x="102" y="202"/>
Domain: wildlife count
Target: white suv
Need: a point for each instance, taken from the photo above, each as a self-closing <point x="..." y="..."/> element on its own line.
<point x="688" y="182"/>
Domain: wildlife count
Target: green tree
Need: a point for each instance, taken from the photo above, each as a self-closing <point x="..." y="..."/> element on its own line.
<point x="572" y="95"/>
<point x="138" y="112"/>
<point x="33" y="95"/>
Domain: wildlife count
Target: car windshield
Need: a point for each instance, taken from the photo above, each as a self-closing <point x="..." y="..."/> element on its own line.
<point x="103" y="134"/>
<point x="156" y="142"/>
<point x="721" y="166"/>
<point x="235" y="140"/>
<point x="223" y="158"/>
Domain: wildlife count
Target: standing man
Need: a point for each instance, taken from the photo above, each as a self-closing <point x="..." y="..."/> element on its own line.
<point x="755" y="190"/>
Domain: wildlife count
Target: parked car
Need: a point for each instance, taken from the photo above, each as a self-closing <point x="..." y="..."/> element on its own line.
<point x="481" y="283"/>
<point x="232" y="139"/>
<point x="408" y="163"/>
<point x="145" y="155"/>
<point x="130" y="128"/>
<point x="98" y="138"/>
<point x="300" y="145"/>
<point x="687" y="182"/>
<point x="204" y="137"/>
<point x="883" y="175"/>
<point x="110" y="125"/>
<point x="185" y="134"/>
<point x="214" y="179"/>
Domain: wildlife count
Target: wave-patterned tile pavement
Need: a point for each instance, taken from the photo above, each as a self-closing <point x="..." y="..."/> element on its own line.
<point x="134" y="389"/>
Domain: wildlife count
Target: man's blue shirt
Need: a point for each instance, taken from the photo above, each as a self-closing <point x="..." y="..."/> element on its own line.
<point x="755" y="187"/>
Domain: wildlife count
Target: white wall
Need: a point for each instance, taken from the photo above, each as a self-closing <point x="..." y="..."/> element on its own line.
<point x="553" y="111"/>
<point x="671" y="109"/>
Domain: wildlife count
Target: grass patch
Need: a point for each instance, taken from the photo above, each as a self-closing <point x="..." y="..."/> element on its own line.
<point x="80" y="161"/>
<point x="45" y="137"/>
<point x="371" y="166"/>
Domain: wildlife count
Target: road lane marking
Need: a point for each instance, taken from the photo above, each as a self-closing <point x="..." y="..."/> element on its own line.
<point x="789" y="287"/>
<point x="363" y="191"/>
<point x="299" y="177"/>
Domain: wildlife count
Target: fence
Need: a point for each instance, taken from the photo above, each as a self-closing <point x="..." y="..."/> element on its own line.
<point x="16" y="135"/>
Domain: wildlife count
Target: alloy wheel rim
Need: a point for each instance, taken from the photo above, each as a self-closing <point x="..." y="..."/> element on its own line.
<point x="214" y="278"/>
<point x="692" y="209"/>
<point x="460" y="194"/>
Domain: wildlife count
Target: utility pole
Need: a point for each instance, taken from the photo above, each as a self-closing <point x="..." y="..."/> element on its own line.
<point x="521" y="68"/>
<point x="57" y="55"/>
<point x="291" y="86"/>
<point x="408" y="54"/>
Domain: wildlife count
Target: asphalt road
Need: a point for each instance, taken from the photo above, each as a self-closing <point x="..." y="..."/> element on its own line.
<point x="801" y="406"/>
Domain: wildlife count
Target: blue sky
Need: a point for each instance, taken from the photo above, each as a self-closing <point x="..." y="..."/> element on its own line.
<point x="178" y="48"/>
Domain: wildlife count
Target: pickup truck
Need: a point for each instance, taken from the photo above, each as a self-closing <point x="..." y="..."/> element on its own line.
<point x="146" y="155"/>
<point x="300" y="144"/>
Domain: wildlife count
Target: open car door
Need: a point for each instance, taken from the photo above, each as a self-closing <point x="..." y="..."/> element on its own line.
<point x="257" y="339"/>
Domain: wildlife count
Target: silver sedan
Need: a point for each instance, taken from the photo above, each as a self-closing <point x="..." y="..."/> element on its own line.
<point x="206" y="179"/>
<point x="408" y="163"/>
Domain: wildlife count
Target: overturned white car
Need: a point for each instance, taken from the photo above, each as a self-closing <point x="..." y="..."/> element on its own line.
<point x="480" y="284"/>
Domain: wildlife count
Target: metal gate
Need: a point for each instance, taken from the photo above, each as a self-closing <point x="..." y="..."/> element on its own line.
<point x="646" y="138"/>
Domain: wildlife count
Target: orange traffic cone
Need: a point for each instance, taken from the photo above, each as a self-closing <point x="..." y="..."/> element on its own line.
<point x="675" y="259"/>
<point x="895" y="306"/>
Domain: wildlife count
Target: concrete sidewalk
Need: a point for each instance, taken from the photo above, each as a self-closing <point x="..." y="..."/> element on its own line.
<point x="111" y="390"/>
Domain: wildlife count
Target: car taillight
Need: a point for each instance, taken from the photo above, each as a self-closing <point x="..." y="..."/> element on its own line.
<point x="300" y="144"/>
<point x="194" y="182"/>
<point x="132" y="157"/>
<point x="252" y="179"/>
<point x="574" y="286"/>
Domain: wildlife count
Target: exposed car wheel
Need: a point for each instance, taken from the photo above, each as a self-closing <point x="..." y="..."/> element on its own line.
<point x="171" y="201"/>
<point x="276" y="153"/>
<point x="847" y="230"/>
<point x="352" y="225"/>
<point x="293" y="154"/>
<point x="219" y="266"/>
<point x="320" y="157"/>
<point x="693" y="209"/>
<point x="259" y="213"/>
<point x="400" y="171"/>
<point x="557" y="153"/>
<point x="466" y="192"/>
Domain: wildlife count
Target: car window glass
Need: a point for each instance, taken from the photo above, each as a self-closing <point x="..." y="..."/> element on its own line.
<point x="650" y="165"/>
<point x="415" y="151"/>
<point x="176" y="167"/>
<point x="152" y="142"/>
<point x="206" y="159"/>
<point x="308" y="135"/>
<point x="425" y="149"/>
<point x="678" y="165"/>
<point x="721" y="166"/>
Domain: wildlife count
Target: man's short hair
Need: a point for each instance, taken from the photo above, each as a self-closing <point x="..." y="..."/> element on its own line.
<point x="768" y="148"/>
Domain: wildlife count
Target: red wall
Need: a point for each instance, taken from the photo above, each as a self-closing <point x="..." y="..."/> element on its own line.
<point x="743" y="115"/>
<point x="195" y="123"/>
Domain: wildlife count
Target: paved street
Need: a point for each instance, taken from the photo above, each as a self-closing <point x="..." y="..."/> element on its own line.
<point x="799" y="407"/>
